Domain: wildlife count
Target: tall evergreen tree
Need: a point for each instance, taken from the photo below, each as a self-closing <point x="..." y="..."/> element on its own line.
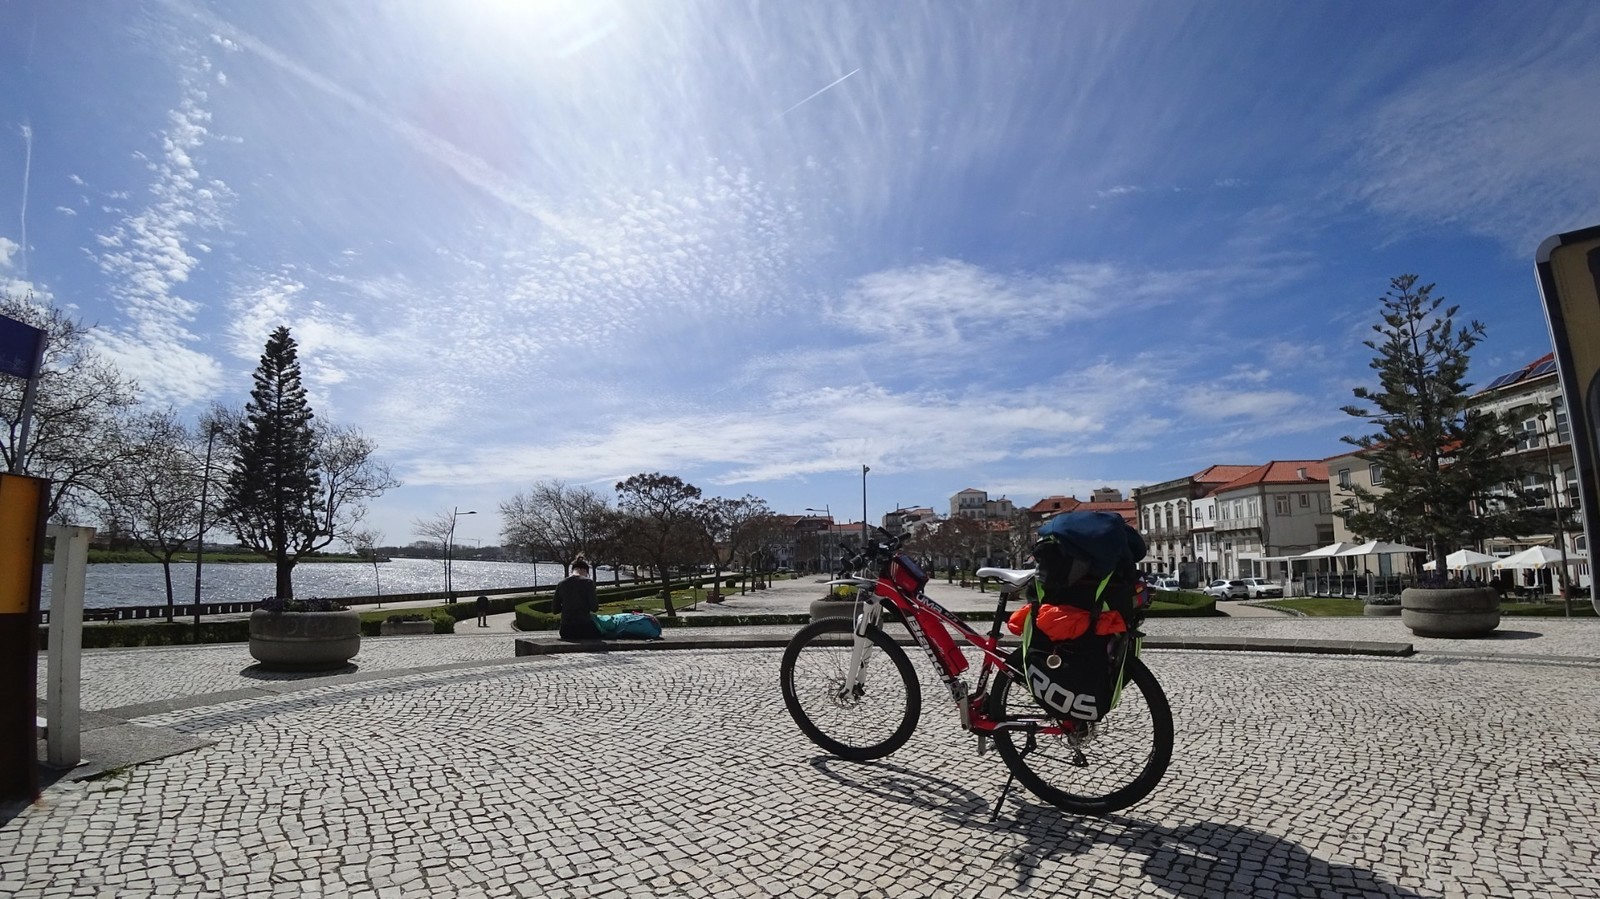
<point x="1448" y="481"/>
<point x="273" y="488"/>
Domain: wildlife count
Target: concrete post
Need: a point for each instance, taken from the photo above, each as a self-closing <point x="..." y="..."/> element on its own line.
<point x="64" y="672"/>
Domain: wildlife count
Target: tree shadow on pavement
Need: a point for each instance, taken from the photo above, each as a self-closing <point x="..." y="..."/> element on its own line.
<point x="1199" y="860"/>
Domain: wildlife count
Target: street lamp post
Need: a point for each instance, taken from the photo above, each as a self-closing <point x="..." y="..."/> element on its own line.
<point x="864" y="470"/>
<point x="200" y="542"/>
<point x="449" y="541"/>
<point x="1555" y="504"/>
<point x="828" y="547"/>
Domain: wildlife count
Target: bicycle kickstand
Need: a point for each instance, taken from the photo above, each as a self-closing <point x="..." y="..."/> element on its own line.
<point x="1010" y="778"/>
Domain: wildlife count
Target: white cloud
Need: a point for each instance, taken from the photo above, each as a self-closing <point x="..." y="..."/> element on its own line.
<point x="8" y="248"/>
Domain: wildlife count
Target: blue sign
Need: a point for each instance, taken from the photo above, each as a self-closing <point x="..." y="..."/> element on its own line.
<point x="21" y="348"/>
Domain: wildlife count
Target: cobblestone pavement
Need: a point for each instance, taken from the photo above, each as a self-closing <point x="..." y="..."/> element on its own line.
<point x="680" y="774"/>
<point x="113" y="678"/>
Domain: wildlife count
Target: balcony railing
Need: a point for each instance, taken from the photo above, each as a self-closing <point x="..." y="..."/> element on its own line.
<point x="1252" y="523"/>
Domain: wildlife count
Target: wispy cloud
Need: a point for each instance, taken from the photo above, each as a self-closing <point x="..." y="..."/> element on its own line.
<point x="149" y="255"/>
<point x="1503" y="149"/>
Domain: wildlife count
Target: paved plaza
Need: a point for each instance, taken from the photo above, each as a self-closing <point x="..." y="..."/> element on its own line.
<point x="443" y="766"/>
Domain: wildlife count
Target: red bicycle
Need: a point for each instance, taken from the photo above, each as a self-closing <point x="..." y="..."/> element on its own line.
<point x="853" y="692"/>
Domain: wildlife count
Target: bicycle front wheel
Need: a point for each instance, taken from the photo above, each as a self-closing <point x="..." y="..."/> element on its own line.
<point x="1093" y="768"/>
<point x="871" y="720"/>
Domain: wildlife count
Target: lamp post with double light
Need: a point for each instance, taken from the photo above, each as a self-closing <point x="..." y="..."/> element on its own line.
<point x="212" y="428"/>
<point x="827" y="547"/>
<point x="1555" y="504"/>
<point x="449" y="542"/>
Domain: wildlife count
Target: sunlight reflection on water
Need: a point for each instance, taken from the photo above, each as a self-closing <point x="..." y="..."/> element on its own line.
<point x="131" y="584"/>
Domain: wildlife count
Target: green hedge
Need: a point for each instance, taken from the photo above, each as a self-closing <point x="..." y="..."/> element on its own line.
<point x="111" y="634"/>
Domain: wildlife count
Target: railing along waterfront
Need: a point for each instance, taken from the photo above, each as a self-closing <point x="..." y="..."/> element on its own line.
<point x="187" y="610"/>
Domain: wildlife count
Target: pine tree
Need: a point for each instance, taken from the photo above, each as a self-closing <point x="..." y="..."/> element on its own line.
<point x="273" y="488"/>
<point x="1447" y="479"/>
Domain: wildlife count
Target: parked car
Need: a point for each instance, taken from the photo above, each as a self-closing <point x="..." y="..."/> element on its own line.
<point x="1228" y="589"/>
<point x="1261" y="588"/>
<point x="1166" y="584"/>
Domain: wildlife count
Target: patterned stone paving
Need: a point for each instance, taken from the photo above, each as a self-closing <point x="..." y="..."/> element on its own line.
<point x="680" y="774"/>
<point x="113" y="678"/>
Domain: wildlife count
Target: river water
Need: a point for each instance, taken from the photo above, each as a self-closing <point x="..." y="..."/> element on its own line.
<point x="140" y="584"/>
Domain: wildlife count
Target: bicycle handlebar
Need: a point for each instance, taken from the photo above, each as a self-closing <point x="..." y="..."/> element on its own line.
<point x="878" y="550"/>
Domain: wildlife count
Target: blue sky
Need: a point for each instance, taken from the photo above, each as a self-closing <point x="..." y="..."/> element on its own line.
<point x="1032" y="248"/>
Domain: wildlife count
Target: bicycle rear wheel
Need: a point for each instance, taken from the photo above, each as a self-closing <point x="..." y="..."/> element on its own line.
<point x="1097" y="768"/>
<point x="869" y="722"/>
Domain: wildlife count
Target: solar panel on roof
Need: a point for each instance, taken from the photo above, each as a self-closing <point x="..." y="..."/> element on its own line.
<point x="1543" y="368"/>
<point x="1503" y="380"/>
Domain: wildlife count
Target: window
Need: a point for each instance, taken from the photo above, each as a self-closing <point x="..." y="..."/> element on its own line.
<point x="1305" y="500"/>
<point x="1528" y="436"/>
<point x="1375" y="472"/>
<point x="1280" y="505"/>
<point x="1344" y="477"/>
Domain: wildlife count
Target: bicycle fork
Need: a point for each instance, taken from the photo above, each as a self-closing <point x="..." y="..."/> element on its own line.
<point x="870" y="615"/>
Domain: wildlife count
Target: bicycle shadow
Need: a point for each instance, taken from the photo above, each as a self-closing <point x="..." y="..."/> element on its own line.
<point x="1196" y="861"/>
<point x="892" y="783"/>
<point x="1213" y="858"/>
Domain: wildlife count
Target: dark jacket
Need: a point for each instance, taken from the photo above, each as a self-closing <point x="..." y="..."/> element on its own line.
<point x="576" y="600"/>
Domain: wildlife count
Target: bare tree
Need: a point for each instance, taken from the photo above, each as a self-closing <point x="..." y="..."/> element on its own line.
<point x="663" y="507"/>
<point x="364" y="542"/>
<point x="612" y="542"/>
<point x="151" y="493"/>
<point x="766" y="534"/>
<point x="82" y="403"/>
<point x="351" y="475"/>
<point x="1019" y="539"/>
<point x="729" y="527"/>
<point x="438" y="530"/>
<point x="555" y="519"/>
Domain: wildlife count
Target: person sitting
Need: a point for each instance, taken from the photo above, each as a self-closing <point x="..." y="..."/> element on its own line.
<point x="577" y="602"/>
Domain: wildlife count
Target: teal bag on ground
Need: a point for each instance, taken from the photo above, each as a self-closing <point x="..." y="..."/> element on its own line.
<point x="628" y="626"/>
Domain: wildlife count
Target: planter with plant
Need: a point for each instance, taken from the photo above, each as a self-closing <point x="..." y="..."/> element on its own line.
<point x="406" y="625"/>
<point x="304" y="634"/>
<point x="1444" y="607"/>
<point x="839" y="602"/>
<point x="1383" y="605"/>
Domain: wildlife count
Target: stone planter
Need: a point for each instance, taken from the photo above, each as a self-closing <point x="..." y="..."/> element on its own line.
<point x="1373" y="610"/>
<point x="832" y="607"/>
<point x="389" y="628"/>
<point x="305" y="641"/>
<point x="1455" y="612"/>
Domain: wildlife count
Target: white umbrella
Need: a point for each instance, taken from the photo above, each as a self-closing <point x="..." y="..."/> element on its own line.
<point x="1332" y="549"/>
<point x="1465" y="558"/>
<point x="1379" y="548"/>
<point x="1533" y="557"/>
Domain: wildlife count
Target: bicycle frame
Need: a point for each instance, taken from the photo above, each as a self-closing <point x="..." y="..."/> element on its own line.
<point x="926" y="621"/>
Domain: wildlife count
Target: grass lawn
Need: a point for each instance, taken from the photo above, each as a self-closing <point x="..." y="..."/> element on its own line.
<point x="1581" y="608"/>
<point x="1329" y="607"/>
<point x="1318" y="606"/>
